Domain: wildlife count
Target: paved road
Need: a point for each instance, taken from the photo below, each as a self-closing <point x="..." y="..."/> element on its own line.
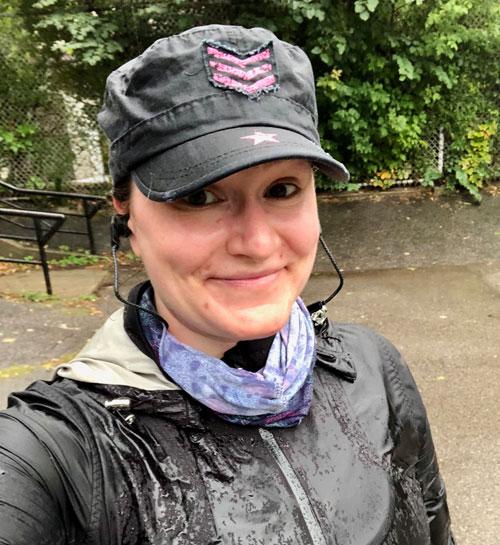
<point x="430" y="283"/>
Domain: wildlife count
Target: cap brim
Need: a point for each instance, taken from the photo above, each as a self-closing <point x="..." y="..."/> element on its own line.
<point x="179" y="171"/>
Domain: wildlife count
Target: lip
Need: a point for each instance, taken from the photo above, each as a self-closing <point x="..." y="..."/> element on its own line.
<point x="249" y="279"/>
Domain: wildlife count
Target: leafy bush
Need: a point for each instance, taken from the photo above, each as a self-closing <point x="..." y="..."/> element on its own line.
<point x="412" y="68"/>
<point x="390" y="73"/>
<point x="474" y="164"/>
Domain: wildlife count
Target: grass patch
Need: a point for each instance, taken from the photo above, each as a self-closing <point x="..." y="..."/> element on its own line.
<point x="38" y="297"/>
<point x="76" y="259"/>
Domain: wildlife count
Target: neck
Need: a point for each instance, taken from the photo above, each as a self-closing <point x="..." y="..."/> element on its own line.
<point x="211" y="345"/>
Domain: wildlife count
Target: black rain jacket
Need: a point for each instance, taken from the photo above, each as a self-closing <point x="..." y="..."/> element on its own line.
<point x="95" y="464"/>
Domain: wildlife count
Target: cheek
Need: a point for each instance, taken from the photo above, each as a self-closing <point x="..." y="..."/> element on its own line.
<point x="134" y="241"/>
<point x="303" y="235"/>
<point x="182" y="253"/>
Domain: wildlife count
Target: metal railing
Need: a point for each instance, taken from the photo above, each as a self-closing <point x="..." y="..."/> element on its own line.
<point x="45" y="225"/>
<point x="91" y="204"/>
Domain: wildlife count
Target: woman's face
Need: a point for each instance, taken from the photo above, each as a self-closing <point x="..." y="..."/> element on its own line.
<point x="228" y="262"/>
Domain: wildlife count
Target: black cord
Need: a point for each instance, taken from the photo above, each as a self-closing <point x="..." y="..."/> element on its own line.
<point x="318" y="310"/>
<point x="335" y="266"/>
<point x="116" y="282"/>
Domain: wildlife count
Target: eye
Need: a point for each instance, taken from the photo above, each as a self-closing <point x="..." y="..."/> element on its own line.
<point x="281" y="190"/>
<point x="203" y="197"/>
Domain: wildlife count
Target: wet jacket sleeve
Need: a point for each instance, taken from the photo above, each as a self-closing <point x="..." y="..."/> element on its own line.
<point x="29" y="512"/>
<point x="411" y="418"/>
<point x="45" y="474"/>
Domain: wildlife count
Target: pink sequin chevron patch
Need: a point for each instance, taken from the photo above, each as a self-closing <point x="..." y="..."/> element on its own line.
<point x="220" y="54"/>
<point x="249" y="72"/>
<point x="242" y="74"/>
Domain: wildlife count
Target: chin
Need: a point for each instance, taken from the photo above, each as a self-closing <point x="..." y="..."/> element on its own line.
<point x="259" y="323"/>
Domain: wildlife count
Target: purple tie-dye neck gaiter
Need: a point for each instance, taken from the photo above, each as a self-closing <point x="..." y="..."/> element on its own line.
<point x="279" y="395"/>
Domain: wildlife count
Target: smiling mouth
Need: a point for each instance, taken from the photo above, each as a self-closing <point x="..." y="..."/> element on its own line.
<point x="250" y="279"/>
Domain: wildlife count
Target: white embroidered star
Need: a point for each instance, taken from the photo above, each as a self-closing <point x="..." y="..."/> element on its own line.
<point x="259" y="137"/>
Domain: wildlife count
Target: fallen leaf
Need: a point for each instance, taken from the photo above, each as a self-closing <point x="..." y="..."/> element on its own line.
<point x="66" y="326"/>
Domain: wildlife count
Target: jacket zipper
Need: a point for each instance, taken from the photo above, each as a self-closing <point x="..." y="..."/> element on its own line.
<point x="315" y="531"/>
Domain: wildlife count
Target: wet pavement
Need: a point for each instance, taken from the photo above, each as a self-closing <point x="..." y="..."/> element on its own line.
<point x="424" y="271"/>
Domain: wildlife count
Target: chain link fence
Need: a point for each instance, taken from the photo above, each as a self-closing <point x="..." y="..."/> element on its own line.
<point x="66" y="150"/>
<point x="54" y="144"/>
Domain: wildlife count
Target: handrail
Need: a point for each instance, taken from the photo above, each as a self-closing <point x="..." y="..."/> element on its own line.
<point x="42" y="237"/>
<point x="91" y="205"/>
<point x="30" y="213"/>
<point x="47" y="193"/>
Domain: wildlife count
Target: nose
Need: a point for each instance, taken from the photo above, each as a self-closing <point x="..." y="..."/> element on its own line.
<point x="252" y="232"/>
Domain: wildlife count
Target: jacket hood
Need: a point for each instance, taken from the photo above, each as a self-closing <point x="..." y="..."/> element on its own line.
<point x="110" y="357"/>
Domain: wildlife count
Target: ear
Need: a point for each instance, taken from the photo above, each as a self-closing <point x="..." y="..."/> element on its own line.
<point x="122" y="225"/>
<point x="121" y="207"/>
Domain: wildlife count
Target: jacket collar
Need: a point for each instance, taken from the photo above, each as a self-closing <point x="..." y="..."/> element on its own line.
<point x="330" y="352"/>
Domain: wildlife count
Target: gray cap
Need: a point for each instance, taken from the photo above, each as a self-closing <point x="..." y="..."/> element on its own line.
<point x="201" y="105"/>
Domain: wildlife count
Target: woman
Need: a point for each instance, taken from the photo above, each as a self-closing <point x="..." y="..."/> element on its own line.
<point x="216" y="408"/>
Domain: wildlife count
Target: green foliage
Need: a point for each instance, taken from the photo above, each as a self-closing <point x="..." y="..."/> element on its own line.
<point x="90" y="297"/>
<point x="42" y="297"/>
<point x="75" y="259"/>
<point x="474" y="164"/>
<point x="322" y="183"/>
<point x="431" y="175"/>
<point x="364" y="8"/>
<point x="85" y="40"/>
<point x="35" y="182"/>
<point x="477" y="156"/>
<point x="84" y="32"/>
<point x="390" y="73"/>
<point x="18" y="140"/>
<point x="38" y="297"/>
<point x="411" y="68"/>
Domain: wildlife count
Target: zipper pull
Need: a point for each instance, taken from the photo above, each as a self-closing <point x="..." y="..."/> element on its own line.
<point x="121" y="404"/>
